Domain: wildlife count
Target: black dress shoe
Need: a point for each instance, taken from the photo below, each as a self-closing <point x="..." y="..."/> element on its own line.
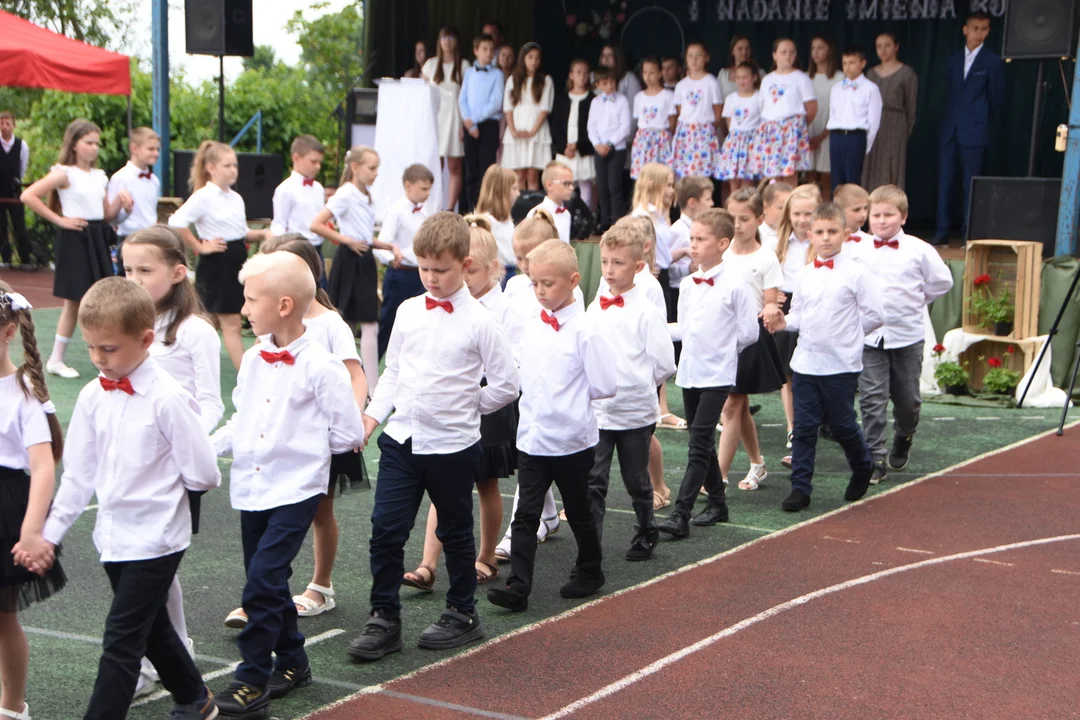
<point x="380" y="637"/>
<point x="583" y="584"/>
<point x="511" y="597"/>
<point x="711" y="515"/>
<point x="453" y="629"/>
<point x="940" y="240"/>
<point x="642" y="546"/>
<point x="796" y="501"/>
<point x="676" y="525"/>
<point x="857" y="485"/>
<point x="901" y="452"/>
<point x="284" y="680"/>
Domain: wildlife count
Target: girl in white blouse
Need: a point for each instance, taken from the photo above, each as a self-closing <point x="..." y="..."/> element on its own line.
<point x="742" y="110"/>
<point x="445" y="71"/>
<point x="788" y="107"/>
<point x="696" y="149"/>
<point x="498" y="193"/>
<point x="527" y="102"/>
<point x="79" y="207"/>
<point x="654" y="111"/>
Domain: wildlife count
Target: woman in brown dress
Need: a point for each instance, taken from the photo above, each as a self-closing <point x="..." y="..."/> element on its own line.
<point x="887" y="162"/>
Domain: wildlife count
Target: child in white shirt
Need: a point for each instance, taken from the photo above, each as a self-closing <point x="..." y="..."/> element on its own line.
<point x="696" y="149"/>
<point x="654" y="112"/>
<point x="609" y="131"/>
<point x="854" y="119"/>
<point x="774" y="194"/>
<point x="140" y="182"/>
<point x="788" y="107"/>
<point x="558" y="181"/>
<point x="742" y="109"/>
<point x="300" y="197"/>
<point x="855" y="202"/>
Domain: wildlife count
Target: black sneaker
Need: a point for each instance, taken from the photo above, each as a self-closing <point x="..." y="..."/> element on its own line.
<point x="511" y="597"/>
<point x="795" y="502"/>
<point x="880" y="472"/>
<point x="243" y="701"/>
<point x="642" y="546"/>
<point x="380" y="637"/>
<point x="676" y="525"/>
<point x="202" y="709"/>
<point x="282" y="682"/>
<point x="901" y="451"/>
<point x="583" y="584"/>
<point x="453" y="629"/>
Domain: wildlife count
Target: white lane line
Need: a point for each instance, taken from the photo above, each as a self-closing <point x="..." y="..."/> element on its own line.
<point x="913" y="550"/>
<point x="727" y="632"/>
<point x="993" y="562"/>
<point x="843" y="540"/>
<point x="1065" y="572"/>
<point x="944" y="419"/>
<point x="987" y="417"/>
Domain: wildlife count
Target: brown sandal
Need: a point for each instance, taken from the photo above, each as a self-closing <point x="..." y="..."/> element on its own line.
<point x="415" y="579"/>
<point x="481" y="577"/>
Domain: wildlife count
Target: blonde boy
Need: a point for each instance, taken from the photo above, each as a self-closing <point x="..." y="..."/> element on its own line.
<point x="558" y="182"/>
<point x="855" y="202"/>
<point x="138" y="178"/>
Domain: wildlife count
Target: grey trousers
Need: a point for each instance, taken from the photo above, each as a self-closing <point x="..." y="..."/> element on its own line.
<point x="890" y="374"/>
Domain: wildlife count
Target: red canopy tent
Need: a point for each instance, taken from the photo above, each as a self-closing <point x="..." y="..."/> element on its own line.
<point x="31" y="56"/>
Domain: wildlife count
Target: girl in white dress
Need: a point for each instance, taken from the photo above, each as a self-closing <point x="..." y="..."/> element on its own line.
<point x="445" y="71"/>
<point x="824" y="72"/>
<point x="782" y="146"/>
<point x="527" y="102"/>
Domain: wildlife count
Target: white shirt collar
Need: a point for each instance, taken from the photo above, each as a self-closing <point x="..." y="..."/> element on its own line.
<point x="567" y="313"/>
<point x="972" y="53"/>
<point x="711" y="272"/>
<point x="489" y="298"/>
<point x="293" y="348"/>
<point x="142" y="377"/>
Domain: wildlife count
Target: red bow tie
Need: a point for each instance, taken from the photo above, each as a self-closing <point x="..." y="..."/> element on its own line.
<point x="605" y="303"/>
<point x="699" y="280"/>
<point x="272" y="357"/>
<point x="550" y="320"/>
<point x="823" y="263"/>
<point x="854" y="238"/>
<point x="146" y="175"/>
<point x="894" y="243"/>
<point x="417" y="208"/>
<point x="308" y="182"/>
<point x="560" y="210"/>
<point x="432" y="303"/>
<point x="121" y="384"/>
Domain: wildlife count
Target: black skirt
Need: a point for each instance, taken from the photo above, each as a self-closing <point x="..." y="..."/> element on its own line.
<point x="19" y="587"/>
<point x="347" y="470"/>
<point x="498" y="439"/>
<point x="786" y="342"/>
<point x="217" y="279"/>
<point x="82" y="258"/>
<point x="760" y="368"/>
<point x="354" y="281"/>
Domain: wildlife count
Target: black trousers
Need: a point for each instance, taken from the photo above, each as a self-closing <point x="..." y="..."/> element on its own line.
<point x="610" y="191"/>
<point x="703" y="407"/>
<point x="633" y="447"/>
<point x="138" y="625"/>
<point x="479" y="156"/>
<point x="17" y="213"/>
<point x="535" y="475"/>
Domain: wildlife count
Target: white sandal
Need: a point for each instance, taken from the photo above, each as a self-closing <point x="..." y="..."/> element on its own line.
<point x="312" y="608"/>
<point x="24" y="715"/>
<point x="754" y="478"/>
<point x="661" y="425"/>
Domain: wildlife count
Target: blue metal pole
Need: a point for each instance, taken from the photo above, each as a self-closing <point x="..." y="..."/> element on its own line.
<point x="160" y="78"/>
<point x="1069" y="206"/>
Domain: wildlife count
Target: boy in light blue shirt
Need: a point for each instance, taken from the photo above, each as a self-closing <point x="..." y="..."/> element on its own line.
<point x="480" y="101"/>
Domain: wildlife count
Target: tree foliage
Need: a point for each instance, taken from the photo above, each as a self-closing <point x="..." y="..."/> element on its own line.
<point x="97" y="22"/>
<point x="331" y="48"/>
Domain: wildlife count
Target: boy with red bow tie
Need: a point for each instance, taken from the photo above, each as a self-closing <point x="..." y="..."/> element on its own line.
<point x="565" y="366"/>
<point x="135" y="439"/>
<point x="294" y="408"/>
<point x="855" y="202"/>
<point x="558" y="182"/>
<point x="836" y="304"/>
<point x="138" y="178"/>
<point x="300" y="197"/>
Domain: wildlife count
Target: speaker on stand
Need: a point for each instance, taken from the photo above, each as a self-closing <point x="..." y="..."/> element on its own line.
<point x="220" y="28"/>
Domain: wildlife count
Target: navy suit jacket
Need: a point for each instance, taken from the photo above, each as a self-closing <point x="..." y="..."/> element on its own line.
<point x="971" y="101"/>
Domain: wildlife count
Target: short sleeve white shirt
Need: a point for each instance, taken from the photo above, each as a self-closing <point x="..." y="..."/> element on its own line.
<point x="695" y="100"/>
<point x="22" y="424"/>
<point x="744" y="112"/>
<point x="354" y="211"/>
<point x="215" y="213"/>
<point x="84" y="197"/>
<point x="759" y="269"/>
<point x="785" y="95"/>
<point x="654" y="111"/>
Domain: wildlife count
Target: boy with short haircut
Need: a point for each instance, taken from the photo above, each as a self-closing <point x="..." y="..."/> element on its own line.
<point x="402" y="220"/>
<point x="442" y="345"/>
<point x="558" y="182"/>
<point x="294" y="407"/>
<point x="854" y="119"/>
<point x="14" y="159"/>
<point x="565" y="366"/>
<point x="644" y="358"/>
<point x="716" y="322"/>
<point x="855" y="202"/>
<point x="911" y="275"/>
<point x="836" y="304"/>
<point x="300" y="197"/>
<point x="609" y="131"/>
<point x="694" y="194"/>
<point x="480" y="102"/>
<point x="138" y="178"/>
<point x="135" y="440"/>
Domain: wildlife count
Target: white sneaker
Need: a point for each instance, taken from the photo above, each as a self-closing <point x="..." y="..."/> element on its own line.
<point x="24" y="715"/>
<point x="147" y="684"/>
<point x="61" y="370"/>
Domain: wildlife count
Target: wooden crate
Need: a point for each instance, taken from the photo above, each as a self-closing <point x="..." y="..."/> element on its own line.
<point x="975" y="357"/>
<point x="1014" y="264"/>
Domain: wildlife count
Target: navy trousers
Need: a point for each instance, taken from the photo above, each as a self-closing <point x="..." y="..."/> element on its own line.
<point x="847" y="150"/>
<point x="970" y="160"/>
<point x="404" y="477"/>
<point x="398" y="286"/>
<point x="821" y="399"/>
<point x="271" y="540"/>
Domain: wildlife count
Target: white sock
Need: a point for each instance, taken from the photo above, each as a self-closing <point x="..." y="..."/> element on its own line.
<point x="369" y="354"/>
<point x="513" y="512"/>
<point x="550" y="511"/>
<point x="59" y="347"/>
<point x="174" y="605"/>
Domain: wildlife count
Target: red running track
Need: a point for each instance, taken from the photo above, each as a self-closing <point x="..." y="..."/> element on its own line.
<point x="37" y="287"/>
<point x="864" y="613"/>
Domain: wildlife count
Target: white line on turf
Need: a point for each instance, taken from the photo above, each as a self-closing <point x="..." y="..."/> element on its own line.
<point x="59" y="635"/>
<point x="374" y="689"/>
<point x="727" y="632"/>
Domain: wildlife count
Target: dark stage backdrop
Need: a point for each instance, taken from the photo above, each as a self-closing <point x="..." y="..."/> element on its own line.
<point x="928" y="31"/>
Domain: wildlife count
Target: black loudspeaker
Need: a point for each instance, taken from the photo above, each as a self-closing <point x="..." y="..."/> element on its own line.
<point x="1039" y="29"/>
<point x="259" y="175"/>
<point x="219" y="27"/>
<point x="1015" y="209"/>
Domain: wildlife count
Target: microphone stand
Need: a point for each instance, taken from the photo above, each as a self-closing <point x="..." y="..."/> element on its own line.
<point x="339" y="110"/>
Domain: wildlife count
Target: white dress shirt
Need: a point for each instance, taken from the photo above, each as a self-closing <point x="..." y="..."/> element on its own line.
<point x="24" y="153"/>
<point x="432" y="378"/>
<point x="793" y="262"/>
<point x="644" y="281"/>
<point x="562" y="372"/>
<point x="644" y="357"/>
<point x="662" y="230"/>
<point x="855" y="105"/>
<point x="194" y="361"/>
<point x="289" y="419"/>
<point x="833" y="309"/>
<point x="506" y="316"/>
<point x="84" y="197"/>
<point x="716" y="323"/>
<point x="969" y="58"/>
<point x="609" y="121"/>
<point x="909" y="277"/>
<point x="561" y="214"/>
<point x="858" y="243"/>
<point x="139" y="454"/>
<point x="296" y="205"/>
<point x="144" y="192"/>
<point x="354" y="211"/>
<point x="23" y="423"/>
<point x="522" y="297"/>
<point x="680" y="239"/>
<point x="399" y="226"/>
<point x="503" y="232"/>
<point x="215" y="213"/>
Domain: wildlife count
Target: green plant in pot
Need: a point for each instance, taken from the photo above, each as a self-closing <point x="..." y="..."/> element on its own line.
<point x="999" y="379"/>
<point x="949" y="375"/>
<point x="996" y="311"/>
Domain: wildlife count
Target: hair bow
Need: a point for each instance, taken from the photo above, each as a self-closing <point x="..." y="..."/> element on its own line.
<point x="48" y="407"/>
<point x="16" y="301"/>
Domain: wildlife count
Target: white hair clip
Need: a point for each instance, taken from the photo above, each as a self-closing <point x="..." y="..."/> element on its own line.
<point x="48" y="407"/>
<point x="17" y="301"/>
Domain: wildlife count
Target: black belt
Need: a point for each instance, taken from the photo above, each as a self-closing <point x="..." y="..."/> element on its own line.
<point x="8" y="474"/>
<point x="848" y="132"/>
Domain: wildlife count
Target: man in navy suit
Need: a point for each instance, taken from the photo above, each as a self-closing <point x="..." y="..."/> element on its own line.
<point x="975" y="89"/>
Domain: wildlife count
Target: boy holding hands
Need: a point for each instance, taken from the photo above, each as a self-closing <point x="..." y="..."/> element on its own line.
<point x="854" y="119"/>
<point x="609" y="130"/>
<point x="442" y="345"/>
<point x="565" y="366"/>
<point x="644" y="358"/>
<point x="480" y="102"/>
<point x="138" y="178"/>
<point x="294" y="407"/>
<point x="558" y="182"/>
<point x="835" y="306"/>
<point x="911" y="274"/>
